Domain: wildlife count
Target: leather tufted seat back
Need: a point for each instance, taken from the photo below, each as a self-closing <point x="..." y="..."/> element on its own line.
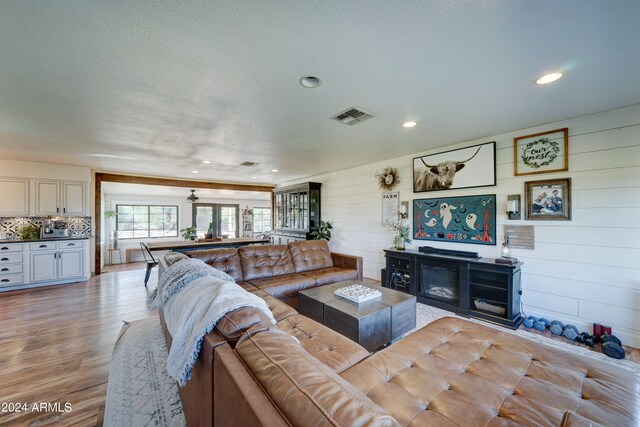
<point x="265" y="261"/>
<point x="310" y="255"/>
<point x="223" y="259"/>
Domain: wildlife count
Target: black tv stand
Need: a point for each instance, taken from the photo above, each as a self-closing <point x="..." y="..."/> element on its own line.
<point x="474" y="287"/>
<point x="447" y="252"/>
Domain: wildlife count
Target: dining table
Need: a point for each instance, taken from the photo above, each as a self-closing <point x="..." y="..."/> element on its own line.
<point x="192" y="245"/>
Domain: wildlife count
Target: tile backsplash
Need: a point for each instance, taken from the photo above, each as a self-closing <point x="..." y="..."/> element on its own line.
<point x="78" y="226"/>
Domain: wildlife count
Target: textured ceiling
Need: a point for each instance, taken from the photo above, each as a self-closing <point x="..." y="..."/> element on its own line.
<point x="154" y="87"/>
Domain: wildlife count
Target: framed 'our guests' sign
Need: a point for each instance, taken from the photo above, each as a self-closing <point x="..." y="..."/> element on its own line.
<point x="541" y="152"/>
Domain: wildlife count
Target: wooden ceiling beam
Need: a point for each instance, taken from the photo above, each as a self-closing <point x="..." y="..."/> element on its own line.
<point x="170" y="182"/>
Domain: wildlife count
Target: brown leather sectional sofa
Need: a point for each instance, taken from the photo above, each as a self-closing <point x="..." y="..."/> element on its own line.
<point x="283" y="270"/>
<point x="450" y="373"/>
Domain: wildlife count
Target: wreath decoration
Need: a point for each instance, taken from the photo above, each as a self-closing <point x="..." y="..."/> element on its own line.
<point x="555" y="149"/>
<point x="388" y="178"/>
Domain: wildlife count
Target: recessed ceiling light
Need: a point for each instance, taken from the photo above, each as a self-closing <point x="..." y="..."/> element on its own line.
<point x="548" y="78"/>
<point x="409" y="124"/>
<point x="274" y="170"/>
<point x="253" y="177"/>
<point x="310" y="82"/>
<point x="206" y="162"/>
<point x="194" y="171"/>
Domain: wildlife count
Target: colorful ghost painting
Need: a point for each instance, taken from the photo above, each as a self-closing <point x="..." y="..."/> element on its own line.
<point x="465" y="219"/>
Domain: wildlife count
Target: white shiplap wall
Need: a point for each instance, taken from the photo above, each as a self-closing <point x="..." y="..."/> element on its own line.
<point x="581" y="271"/>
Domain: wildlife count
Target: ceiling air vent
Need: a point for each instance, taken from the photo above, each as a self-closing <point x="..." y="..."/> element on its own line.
<point x="249" y="164"/>
<point x="352" y="116"/>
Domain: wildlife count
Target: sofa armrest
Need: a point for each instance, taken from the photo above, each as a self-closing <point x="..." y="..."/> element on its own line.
<point x="348" y="261"/>
<point x="197" y="394"/>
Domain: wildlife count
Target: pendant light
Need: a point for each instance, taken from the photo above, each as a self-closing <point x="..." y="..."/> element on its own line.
<point x="192" y="197"/>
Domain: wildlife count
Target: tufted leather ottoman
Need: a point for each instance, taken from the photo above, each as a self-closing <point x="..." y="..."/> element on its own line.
<point x="454" y="372"/>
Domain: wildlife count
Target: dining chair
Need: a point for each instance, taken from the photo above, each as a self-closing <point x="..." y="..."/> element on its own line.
<point x="149" y="259"/>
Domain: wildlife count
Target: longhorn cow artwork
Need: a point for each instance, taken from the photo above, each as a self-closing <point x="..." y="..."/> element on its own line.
<point x="473" y="166"/>
<point x="464" y="219"/>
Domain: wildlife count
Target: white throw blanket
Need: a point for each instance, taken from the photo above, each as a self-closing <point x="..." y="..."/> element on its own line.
<point x="193" y="311"/>
<point x="179" y="275"/>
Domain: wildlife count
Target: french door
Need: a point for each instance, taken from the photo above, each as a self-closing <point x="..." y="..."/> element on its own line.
<point x="225" y="219"/>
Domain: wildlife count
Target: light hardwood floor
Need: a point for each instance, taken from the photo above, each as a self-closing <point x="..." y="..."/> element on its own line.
<point x="56" y="344"/>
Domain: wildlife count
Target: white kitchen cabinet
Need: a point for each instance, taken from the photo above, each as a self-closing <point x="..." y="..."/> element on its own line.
<point x="43" y="263"/>
<point x="10" y="258"/>
<point x="11" y="268"/>
<point x="70" y="263"/>
<point x="14" y="197"/>
<point x="61" y="198"/>
<point x="47" y="198"/>
<point x="11" y="265"/>
<point x="56" y="260"/>
<point x="74" y="198"/>
<point x="44" y="266"/>
<point x="11" y="247"/>
<point x="10" y="280"/>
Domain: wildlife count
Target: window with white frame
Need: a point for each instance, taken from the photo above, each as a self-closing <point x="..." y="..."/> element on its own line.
<point x="146" y="221"/>
<point x="261" y="220"/>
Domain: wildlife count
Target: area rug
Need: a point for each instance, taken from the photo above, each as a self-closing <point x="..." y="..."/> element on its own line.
<point x="141" y="393"/>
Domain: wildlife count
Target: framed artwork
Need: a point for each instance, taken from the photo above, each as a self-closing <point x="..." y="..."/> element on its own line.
<point x="464" y="219"/>
<point x="541" y="152"/>
<point x="548" y="199"/>
<point x="468" y="167"/>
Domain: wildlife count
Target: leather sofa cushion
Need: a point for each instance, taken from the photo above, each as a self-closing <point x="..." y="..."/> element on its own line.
<point x="572" y="420"/>
<point x="310" y="255"/>
<point x="460" y="372"/>
<point x="233" y="324"/>
<point x="328" y="275"/>
<point x="334" y="350"/>
<point x="223" y="259"/>
<point x="265" y="261"/>
<point x="284" y="286"/>
<point x="304" y="390"/>
<point x="279" y="309"/>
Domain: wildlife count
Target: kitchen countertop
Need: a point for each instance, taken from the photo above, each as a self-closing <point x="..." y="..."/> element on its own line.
<point x="7" y="241"/>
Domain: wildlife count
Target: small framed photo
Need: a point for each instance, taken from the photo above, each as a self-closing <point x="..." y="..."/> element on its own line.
<point x="541" y="152"/>
<point x="548" y="199"/>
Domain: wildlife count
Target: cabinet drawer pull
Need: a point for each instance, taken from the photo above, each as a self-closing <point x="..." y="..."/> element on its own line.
<point x="71" y="244"/>
<point x="4" y="248"/>
<point x="4" y="259"/>
<point x="43" y="246"/>
<point x="5" y="280"/>
<point x="5" y="269"/>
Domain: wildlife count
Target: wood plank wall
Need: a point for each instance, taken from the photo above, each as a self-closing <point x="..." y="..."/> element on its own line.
<point x="581" y="271"/>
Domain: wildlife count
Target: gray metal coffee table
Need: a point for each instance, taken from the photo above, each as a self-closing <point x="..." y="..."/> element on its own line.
<point x="372" y="323"/>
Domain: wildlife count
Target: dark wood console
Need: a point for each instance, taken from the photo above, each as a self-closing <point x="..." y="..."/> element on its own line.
<point x="475" y="287"/>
